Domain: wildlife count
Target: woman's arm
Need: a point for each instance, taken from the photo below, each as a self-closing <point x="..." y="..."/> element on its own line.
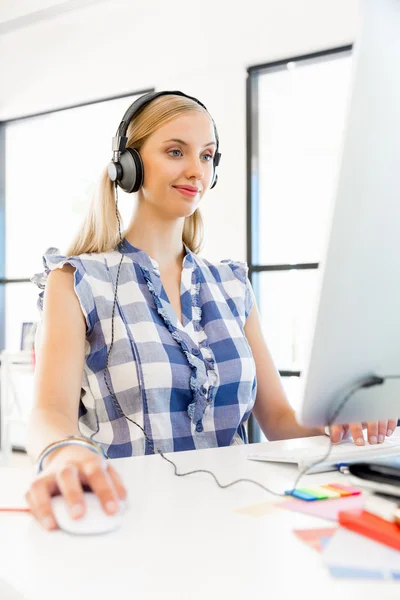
<point x="272" y="410"/>
<point x="58" y="380"/>
<point x="59" y="364"/>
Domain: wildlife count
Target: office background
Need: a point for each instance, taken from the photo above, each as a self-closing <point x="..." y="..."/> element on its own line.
<point x="274" y="75"/>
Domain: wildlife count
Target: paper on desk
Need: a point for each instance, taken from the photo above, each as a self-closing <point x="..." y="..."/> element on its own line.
<point x="258" y="510"/>
<point x="325" y="509"/>
<point x="349" y="554"/>
<point x="315" y="538"/>
<point x="14" y="483"/>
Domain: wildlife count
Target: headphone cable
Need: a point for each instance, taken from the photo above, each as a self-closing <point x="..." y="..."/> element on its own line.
<point x="365" y="383"/>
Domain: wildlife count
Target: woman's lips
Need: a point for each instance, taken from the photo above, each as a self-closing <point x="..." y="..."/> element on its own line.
<point x="187" y="190"/>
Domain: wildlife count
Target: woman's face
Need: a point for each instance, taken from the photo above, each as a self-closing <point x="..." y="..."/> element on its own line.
<point x="178" y="164"/>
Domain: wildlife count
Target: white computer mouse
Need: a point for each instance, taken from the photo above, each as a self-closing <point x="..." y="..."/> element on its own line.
<point x="94" y="522"/>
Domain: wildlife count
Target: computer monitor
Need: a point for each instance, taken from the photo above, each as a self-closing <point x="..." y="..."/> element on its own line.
<point x="357" y="318"/>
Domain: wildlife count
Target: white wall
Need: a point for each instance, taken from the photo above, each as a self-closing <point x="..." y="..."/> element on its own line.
<point x="202" y="48"/>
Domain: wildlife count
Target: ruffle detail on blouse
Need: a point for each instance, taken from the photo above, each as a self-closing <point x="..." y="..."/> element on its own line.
<point x="40" y="279"/>
<point x="195" y="293"/>
<point x="200" y="385"/>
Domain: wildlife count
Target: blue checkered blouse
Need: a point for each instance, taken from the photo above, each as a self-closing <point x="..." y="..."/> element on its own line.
<point x="189" y="385"/>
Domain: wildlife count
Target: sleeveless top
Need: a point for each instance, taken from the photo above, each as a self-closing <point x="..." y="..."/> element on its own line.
<point x="189" y="384"/>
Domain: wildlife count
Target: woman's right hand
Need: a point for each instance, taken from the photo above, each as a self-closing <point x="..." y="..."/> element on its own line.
<point x="65" y="472"/>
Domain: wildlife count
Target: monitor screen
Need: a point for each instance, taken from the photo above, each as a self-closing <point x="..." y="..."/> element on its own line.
<point x="357" y="318"/>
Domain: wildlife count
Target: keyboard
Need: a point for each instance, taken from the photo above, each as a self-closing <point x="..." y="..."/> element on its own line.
<point x="345" y="452"/>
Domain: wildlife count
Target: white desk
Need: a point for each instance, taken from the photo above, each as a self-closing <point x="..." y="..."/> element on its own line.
<point x="182" y="540"/>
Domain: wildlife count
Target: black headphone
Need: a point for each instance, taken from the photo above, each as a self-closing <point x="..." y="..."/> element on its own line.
<point x="126" y="168"/>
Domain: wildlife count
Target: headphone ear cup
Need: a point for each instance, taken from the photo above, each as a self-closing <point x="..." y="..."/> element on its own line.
<point x="132" y="170"/>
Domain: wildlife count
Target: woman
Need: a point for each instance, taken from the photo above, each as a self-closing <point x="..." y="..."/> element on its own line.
<point x="168" y="344"/>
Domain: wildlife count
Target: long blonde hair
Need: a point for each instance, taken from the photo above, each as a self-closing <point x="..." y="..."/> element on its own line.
<point x="99" y="231"/>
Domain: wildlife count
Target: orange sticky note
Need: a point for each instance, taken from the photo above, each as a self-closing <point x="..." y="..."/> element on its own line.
<point x="344" y="490"/>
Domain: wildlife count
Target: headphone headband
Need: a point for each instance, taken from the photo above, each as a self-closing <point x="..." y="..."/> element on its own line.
<point x="141" y="102"/>
<point x="120" y="139"/>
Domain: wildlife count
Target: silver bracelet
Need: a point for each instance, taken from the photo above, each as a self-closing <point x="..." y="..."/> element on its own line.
<point x="69" y="441"/>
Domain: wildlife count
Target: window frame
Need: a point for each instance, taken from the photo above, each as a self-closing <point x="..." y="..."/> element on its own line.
<point x="252" y="168"/>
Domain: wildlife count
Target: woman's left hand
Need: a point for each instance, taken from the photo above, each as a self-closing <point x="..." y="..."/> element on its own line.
<point x="377" y="431"/>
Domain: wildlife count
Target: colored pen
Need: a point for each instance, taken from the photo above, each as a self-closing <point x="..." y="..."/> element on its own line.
<point x="20" y="509"/>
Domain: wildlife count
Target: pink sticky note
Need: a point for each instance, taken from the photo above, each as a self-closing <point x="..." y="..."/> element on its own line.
<point x="328" y="509"/>
<point x="346" y="488"/>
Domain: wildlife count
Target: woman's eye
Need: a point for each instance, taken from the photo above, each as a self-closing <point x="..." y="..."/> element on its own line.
<point x="175" y="150"/>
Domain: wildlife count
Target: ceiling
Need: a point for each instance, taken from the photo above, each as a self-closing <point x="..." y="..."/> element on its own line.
<point x="21" y="14"/>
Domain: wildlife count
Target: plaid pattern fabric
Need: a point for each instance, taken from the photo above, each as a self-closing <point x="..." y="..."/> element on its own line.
<point x="189" y="384"/>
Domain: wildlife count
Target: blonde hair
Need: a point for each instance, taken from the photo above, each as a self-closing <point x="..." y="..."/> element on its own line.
<point x="99" y="231"/>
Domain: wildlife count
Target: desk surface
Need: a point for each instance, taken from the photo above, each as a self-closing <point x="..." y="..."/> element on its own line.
<point x="182" y="539"/>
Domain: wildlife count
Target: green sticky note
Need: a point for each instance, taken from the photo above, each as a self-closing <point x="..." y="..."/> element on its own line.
<point x="318" y="492"/>
<point x="332" y="494"/>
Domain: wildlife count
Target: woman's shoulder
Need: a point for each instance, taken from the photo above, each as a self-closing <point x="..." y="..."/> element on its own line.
<point x="89" y="272"/>
<point x="225" y="269"/>
<point x="232" y="276"/>
<point x="53" y="259"/>
<point x="93" y="264"/>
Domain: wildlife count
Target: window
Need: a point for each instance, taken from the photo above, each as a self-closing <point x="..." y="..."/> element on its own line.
<point x="52" y="164"/>
<point x="296" y="115"/>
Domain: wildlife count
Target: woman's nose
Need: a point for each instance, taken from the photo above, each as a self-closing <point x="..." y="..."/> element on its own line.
<point x="195" y="169"/>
